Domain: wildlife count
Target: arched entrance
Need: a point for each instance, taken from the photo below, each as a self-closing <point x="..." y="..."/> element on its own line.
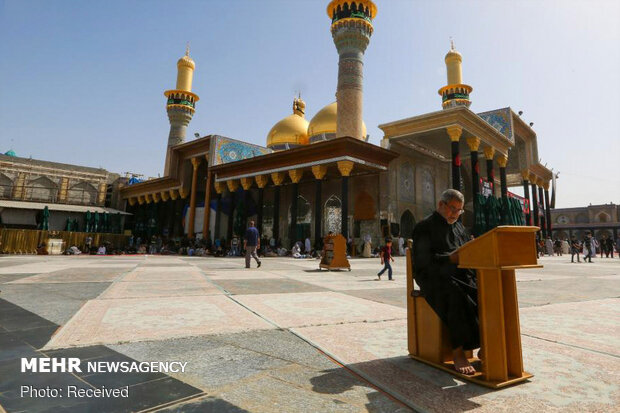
<point x="407" y="222"/>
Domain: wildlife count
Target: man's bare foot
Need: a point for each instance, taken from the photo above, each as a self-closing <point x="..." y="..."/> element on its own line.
<point x="461" y="364"/>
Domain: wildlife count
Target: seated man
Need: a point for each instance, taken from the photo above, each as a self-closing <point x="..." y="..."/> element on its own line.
<point x="450" y="291"/>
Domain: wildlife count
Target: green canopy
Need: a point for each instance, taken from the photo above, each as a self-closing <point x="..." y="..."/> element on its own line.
<point x="96" y="225"/>
<point x="479" y="215"/>
<point x="87" y="225"/>
<point x="492" y="213"/>
<point x="46" y="218"/>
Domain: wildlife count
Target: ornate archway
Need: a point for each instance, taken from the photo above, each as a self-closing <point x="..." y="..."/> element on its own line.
<point x="407" y="222"/>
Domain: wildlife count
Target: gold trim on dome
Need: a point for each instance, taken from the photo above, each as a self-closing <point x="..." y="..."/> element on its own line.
<point x="165" y="196"/>
<point x="292" y="130"/>
<point x="174" y="194"/>
<point x="155" y="197"/>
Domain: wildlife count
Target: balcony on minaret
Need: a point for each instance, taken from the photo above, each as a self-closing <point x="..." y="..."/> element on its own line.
<point x="181" y="99"/>
<point x="345" y="9"/>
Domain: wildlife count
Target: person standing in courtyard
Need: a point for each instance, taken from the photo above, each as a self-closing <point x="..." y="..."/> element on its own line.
<point x="251" y="243"/>
<point x="575" y="247"/>
<point x="386" y="256"/>
<point x="588" y="247"/>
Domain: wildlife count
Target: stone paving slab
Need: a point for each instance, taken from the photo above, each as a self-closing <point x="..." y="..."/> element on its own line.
<point x="35" y="268"/>
<point x="249" y="274"/>
<point x="189" y="274"/>
<point x="346" y="282"/>
<point x="594" y="325"/>
<point x="160" y="289"/>
<point x="566" y="378"/>
<point x="266" y="286"/>
<point x="119" y="320"/>
<point x="302" y="309"/>
<point x="392" y="296"/>
<point x="61" y="277"/>
<point x="55" y="302"/>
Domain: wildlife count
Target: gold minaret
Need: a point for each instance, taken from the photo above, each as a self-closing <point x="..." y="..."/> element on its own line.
<point x="181" y="103"/>
<point x="455" y="93"/>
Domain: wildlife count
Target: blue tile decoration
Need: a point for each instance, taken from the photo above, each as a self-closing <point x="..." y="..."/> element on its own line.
<point x="500" y="119"/>
<point x="229" y="150"/>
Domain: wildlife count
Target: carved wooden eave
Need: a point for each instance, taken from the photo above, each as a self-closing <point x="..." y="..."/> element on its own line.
<point x="368" y="158"/>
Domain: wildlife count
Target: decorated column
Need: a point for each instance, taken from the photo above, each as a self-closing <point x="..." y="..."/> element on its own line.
<point x="319" y="172"/>
<point x="455" y="135"/>
<point x="534" y="208"/>
<point x="525" y="174"/>
<point x="502" y="161"/>
<point x="219" y="189"/>
<point x="489" y="153"/>
<point x="345" y="168"/>
<point x="246" y="184"/>
<point x="207" y="212"/>
<point x="548" y="209"/>
<point x="261" y="182"/>
<point x="541" y="197"/>
<point x="474" y="143"/>
<point x="277" y="178"/>
<point x="192" y="199"/>
<point x="232" y="184"/>
<point x="295" y="175"/>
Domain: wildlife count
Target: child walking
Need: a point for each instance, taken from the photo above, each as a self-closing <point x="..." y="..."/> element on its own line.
<point x="386" y="256"/>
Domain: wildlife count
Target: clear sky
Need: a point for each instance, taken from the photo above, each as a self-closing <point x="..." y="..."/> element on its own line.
<point x="82" y="81"/>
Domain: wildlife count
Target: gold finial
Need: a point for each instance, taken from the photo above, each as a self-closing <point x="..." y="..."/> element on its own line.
<point x="187" y="49"/>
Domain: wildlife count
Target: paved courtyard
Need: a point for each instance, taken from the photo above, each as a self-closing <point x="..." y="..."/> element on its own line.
<point x="287" y="337"/>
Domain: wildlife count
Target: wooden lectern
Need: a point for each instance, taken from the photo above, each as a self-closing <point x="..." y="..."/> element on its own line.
<point x="495" y="256"/>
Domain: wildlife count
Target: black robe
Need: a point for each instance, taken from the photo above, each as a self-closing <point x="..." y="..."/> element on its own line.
<point x="450" y="291"/>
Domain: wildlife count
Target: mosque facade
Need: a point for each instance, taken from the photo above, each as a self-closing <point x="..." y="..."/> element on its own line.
<point x="320" y="175"/>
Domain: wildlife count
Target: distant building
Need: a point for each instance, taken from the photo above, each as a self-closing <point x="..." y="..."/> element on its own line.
<point x="599" y="219"/>
<point x="69" y="191"/>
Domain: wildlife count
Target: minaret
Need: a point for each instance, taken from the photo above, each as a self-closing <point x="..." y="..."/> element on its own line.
<point x="455" y="93"/>
<point x="351" y="30"/>
<point x="181" y="103"/>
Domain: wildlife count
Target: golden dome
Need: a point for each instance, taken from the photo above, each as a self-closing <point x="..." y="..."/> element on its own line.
<point x="324" y="123"/>
<point x="291" y="131"/>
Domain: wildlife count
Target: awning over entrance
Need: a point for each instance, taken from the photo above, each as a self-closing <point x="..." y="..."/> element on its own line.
<point x="59" y="207"/>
